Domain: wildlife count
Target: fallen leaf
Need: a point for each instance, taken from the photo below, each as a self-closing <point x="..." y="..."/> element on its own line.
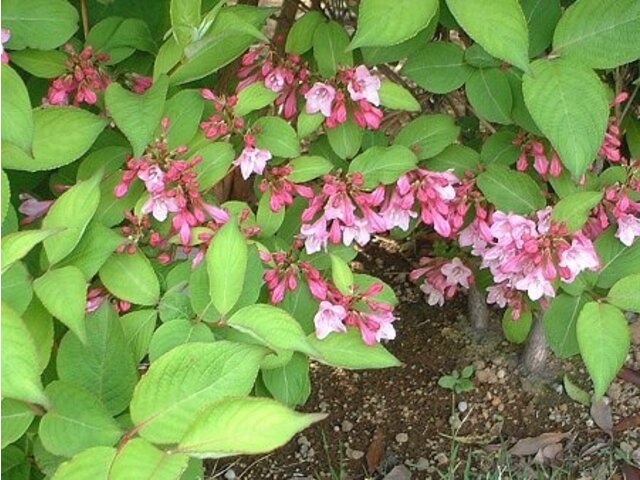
<point x="375" y="451"/>
<point x="630" y="472"/>
<point x="548" y="454"/>
<point x="531" y="445"/>
<point x="631" y="376"/>
<point x="601" y="414"/>
<point x="627" y="423"/>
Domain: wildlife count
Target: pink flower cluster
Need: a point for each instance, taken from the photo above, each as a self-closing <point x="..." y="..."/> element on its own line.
<point x="96" y="296"/>
<point x="172" y="188"/>
<point x="541" y="163"/>
<point x="617" y="204"/>
<point x="528" y="255"/>
<point x="85" y="78"/>
<point x="285" y="272"/>
<point x="138" y="83"/>
<point x="5" y="36"/>
<point x="610" y="148"/>
<point x="286" y="76"/>
<point x="442" y="278"/>
<point x="330" y="98"/>
<point x="224" y="121"/>
<point x="337" y="311"/>
<point x="283" y="191"/>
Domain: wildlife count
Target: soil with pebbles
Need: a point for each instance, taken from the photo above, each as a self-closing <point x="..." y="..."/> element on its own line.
<point x="400" y="418"/>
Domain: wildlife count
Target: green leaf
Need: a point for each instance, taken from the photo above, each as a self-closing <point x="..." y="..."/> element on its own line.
<point x="254" y="97"/>
<point x="21" y="380"/>
<point x="120" y="38"/>
<point x="16" y="287"/>
<point x="227" y="265"/>
<point x="104" y="365"/>
<point x="599" y="34"/>
<point x="16" y="418"/>
<point x="63" y="292"/>
<point x="341" y="275"/>
<point x="72" y="211"/>
<point x="396" y="97"/>
<point x="383" y="164"/>
<point x="138" y="328"/>
<point x="300" y="37"/>
<point x="516" y="331"/>
<point x="76" y="421"/>
<point x="624" y="293"/>
<point x="617" y="259"/>
<point x="175" y="333"/>
<point x="169" y="54"/>
<point x="499" y="26"/>
<point x="95" y="247"/>
<point x="141" y="460"/>
<point x="40" y="325"/>
<point x="575" y="393"/>
<point x="542" y="17"/>
<point x="569" y="104"/>
<point x="489" y="94"/>
<point x="401" y="51"/>
<point x="574" y="209"/>
<point x="457" y="157"/>
<point x="39" y="24"/>
<point x="381" y="23"/>
<point x="17" y="118"/>
<point x="560" y="323"/>
<point x="330" y="42"/>
<point x="237" y="426"/>
<point x="306" y="168"/>
<point x="510" y="191"/>
<point x="289" y="384"/>
<point x="345" y="139"/>
<point x="272" y="327"/>
<point x="604" y="341"/>
<point x="16" y="246"/>
<point x="16" y="463"/>
<point x="184" y="111"/>
<point x="277" y="136"/>
<point x="131" y="278"/>
<point x="478" y="57"/>
<point x="137" y="116"/>
<point x="233" y="31"/>
<point x="41" y="63"/>
<point x="268" y="220"/>
<point x="348" y="350"/>
<point x="308" y="123"/>
<point x="185" y="380"/>
<point x="60" y="136"/>
<point x="175" y="304"/>
<point x="428" y="135"/>
<point x="185" y="18"/>
<point x="438" y="67"/>
<point x="92" y="464"/>
<point x="216" y="160"/>
<point x="499" y="149"/>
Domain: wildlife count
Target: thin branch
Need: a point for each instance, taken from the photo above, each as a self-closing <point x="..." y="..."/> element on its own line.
<point x="84" y="11"/>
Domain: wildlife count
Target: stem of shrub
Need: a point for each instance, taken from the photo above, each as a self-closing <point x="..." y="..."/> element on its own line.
<point x="536" y="351"/>
<point x="477" y="309"/>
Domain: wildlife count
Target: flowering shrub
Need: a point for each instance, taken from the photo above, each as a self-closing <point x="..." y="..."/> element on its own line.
<point x="150" y="319"/>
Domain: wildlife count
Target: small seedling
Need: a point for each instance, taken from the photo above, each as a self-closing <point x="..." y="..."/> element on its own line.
<point x="458" y="382"/>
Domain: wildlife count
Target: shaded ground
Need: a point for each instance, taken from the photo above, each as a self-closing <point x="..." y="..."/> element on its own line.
<point x="380" y="419"/>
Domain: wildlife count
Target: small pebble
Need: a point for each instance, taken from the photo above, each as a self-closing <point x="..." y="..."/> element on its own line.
<point x="441" y="459"/>
<point x="346" y="426"/>
<point x="230" y="474"/>
<point x="463" y="406"/>
<point x="354" y="454"/>
<point x="402" y="438"/>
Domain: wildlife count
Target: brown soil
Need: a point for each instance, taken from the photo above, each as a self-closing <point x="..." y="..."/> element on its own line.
<point x="380" y="419"/>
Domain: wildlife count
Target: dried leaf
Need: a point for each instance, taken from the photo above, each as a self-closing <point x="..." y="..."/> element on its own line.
<point x="627" y="423"/>
<point x="375" y="451"/>
<point x="531" y="445"/>
<point x="601" y="414"/>
<point x="548" y="454"/>
<point x="630" y="472"/>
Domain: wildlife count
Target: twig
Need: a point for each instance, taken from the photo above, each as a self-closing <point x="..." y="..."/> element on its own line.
<point x="628" y="105"/>
<point x="84" y="11"/>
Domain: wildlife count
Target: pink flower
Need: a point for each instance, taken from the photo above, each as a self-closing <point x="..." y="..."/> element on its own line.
<point x="140" y="83"/>
<point x="153" y="178"/>
<point x="330" y="318"/>
<point x="160" y="205"/>
<point x="628" y="228"/>
<point x="320" y="99"/>
<point x="316" y="235"/>
<point x="364" y="86"/>
<point x="33" y="208"/>
<point x="358" y="232"/>
<point x="252" y="160"/>
<point x="377" y="326"/>
<point x="581" y="255"/>
<point x="457" y="273"/>
<point x="275" y="80"/>
<point x="5" y="36"/>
